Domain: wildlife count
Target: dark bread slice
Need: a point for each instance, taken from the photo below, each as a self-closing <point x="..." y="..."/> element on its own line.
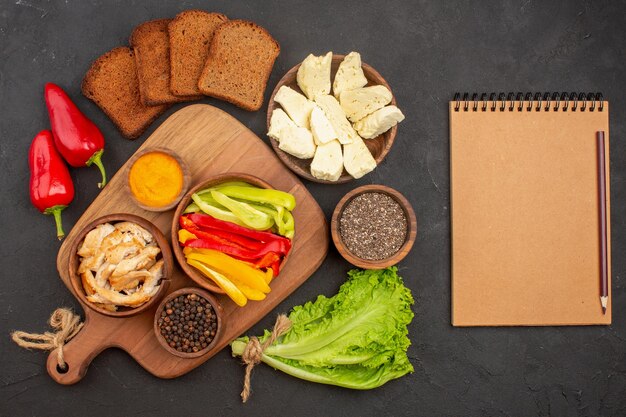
<point x="241" y="57"/>
<point x="151" y="44"/>
<point x="112" y="84"/>
<point x="190" y="34"/>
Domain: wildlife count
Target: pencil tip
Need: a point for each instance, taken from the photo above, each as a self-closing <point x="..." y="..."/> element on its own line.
<point x="603" y="310"/>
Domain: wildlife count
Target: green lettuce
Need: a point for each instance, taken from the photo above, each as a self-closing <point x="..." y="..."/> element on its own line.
<point x="356" y="339"/>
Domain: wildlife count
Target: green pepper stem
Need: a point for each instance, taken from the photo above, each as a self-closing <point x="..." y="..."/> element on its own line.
<point x="56" y="212"/>
<point x="96" y="159"/>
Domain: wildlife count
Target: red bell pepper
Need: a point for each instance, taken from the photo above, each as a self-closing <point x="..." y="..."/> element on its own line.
<point x="235" y="238"/>
<point x="188" y="225"/>
<point x="206" y="221"/>
<point x="267" y="260"/>
<point x="76" y="137"/>
<point x="51" y="186"/>
<point x="234" y="251"/>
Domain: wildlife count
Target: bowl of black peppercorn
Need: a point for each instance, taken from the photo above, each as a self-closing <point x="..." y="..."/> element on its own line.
<point x="188" y="323"/>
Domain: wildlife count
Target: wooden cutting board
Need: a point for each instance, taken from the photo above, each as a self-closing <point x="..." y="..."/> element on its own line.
<point x="211" y="142"/>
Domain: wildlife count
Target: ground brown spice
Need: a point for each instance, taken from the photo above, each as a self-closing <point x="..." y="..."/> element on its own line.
<point x="373" y="226"/>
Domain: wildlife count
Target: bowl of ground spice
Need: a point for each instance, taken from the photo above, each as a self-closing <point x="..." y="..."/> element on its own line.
<point x="188" y="323"/>
<point x="157" y="179"/>
<point x="373" y="227"/>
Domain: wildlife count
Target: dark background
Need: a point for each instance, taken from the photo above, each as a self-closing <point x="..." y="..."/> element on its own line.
<point x="427" y="51"/>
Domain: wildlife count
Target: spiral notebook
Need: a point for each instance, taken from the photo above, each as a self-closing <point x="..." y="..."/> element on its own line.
<point x="525" y="210"/>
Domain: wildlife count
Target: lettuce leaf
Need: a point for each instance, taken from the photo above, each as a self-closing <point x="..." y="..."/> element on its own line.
<point x="356" y="339"/>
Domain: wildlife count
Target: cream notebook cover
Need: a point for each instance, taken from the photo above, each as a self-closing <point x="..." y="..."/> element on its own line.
<point x="525" y="211"/>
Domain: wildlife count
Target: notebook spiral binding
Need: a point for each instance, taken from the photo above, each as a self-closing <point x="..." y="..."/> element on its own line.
<point x="528" y="101"/>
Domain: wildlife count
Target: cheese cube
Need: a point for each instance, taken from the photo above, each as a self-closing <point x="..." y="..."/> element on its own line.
<point x="321" y="128"/>
<point x="379" y="122"/>
<point x="361" y="102"/>
<point x="278" y="121"/>
<point x="314" y="75"/>
<point x="296" y="141"/>
<point x="357" y="159"/>
<point x="336" y="116"/>
<point x="328" y="161"/>
<point x="295" y="104"/>
<point x="349" y="74"/>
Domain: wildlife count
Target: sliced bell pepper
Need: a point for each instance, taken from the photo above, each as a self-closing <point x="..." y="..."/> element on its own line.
<point x="185" y="235"/>
<point x="233" y="251"/>
<point x="229" y="266"/>
<point x="267" y="260"/>
<point x="206" y="221"/>
<point x="221" y="214"/>
<point x="250" y="293"/>
<point x="188" y="225"/>
<point x="238" y="239"/>
<point x="224" y="283"/>
<point x="225" y="184"/>
<point x="191" y="208"/>
<point x="250" y="216"/>
<point x="269" y="275"/>
<point x="276" y="268"/>
<point x="260" y="195"/>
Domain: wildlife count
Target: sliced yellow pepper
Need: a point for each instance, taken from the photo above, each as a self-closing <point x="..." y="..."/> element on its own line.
<point x="231" y="267"/>
<point x="269" y="275"/>
<point x="250" y="293"/>
<point x="224" y="283"/>
<point x="185" y="235"/>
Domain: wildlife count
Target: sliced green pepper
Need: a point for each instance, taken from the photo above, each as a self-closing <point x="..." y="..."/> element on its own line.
<point x="249" y="215"/>
<point x="225" y="184"/>
<point x="260" y="195"/>
<point x="192" y="208"/>
<point x="289" y="224"/>
<point x="216" y="212"/>
<point x="208" y="198"/>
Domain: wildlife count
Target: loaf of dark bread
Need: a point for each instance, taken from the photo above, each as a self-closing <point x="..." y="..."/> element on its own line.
<point x="241" y="58"/>
<point x="112" y="84"/>
<point x="190" y="34"/>
<point x="151" y="44"/>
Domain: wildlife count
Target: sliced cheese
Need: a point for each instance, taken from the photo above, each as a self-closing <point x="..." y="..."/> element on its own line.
<point x="296" y="141"/>
<point x="336" y="116"/>
<point x="278" y="121"/>
<point x="323" y="131"/>
<point x="379" y="122"/>
<point x="314" y="75"/>
<point x="349" y="74"/>
<point x="361" y="102"/>
<point x="295" y="104"/>
<point x="328" y="161"/>
<point x="357" y="159"/>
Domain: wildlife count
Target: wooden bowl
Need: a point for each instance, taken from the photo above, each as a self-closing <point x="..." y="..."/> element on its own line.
<point x="379" y="146"/>
<point x="366" y="263"/>
<point x="218" y="315"/>
<point x="166" y="253"/>
<point x="183" y="167"/>
<point x="192" y="272"/>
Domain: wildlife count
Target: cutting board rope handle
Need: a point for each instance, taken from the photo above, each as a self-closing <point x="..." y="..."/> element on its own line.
<point x="80" y="351"/>
<point x="67" y="325"/>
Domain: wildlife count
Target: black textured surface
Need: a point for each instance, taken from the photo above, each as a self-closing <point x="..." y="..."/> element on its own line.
<point x="426" y="51"/>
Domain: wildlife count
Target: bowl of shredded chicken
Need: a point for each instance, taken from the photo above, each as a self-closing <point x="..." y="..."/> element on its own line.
<point x="121" y="266"/>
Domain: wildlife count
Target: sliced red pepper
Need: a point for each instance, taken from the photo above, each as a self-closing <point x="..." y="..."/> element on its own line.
<point x="273" y="243"/>
<point x="200" y="234"/>
<point x="234" y="251"/>
<point x="276" y="268"/>
<point x="267" y="260"/>
<point x="235" y="238"/>
<point x="206" y="221"/>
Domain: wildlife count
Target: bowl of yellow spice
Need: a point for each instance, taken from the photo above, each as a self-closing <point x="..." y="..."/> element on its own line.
<point x="157" y="179"/>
